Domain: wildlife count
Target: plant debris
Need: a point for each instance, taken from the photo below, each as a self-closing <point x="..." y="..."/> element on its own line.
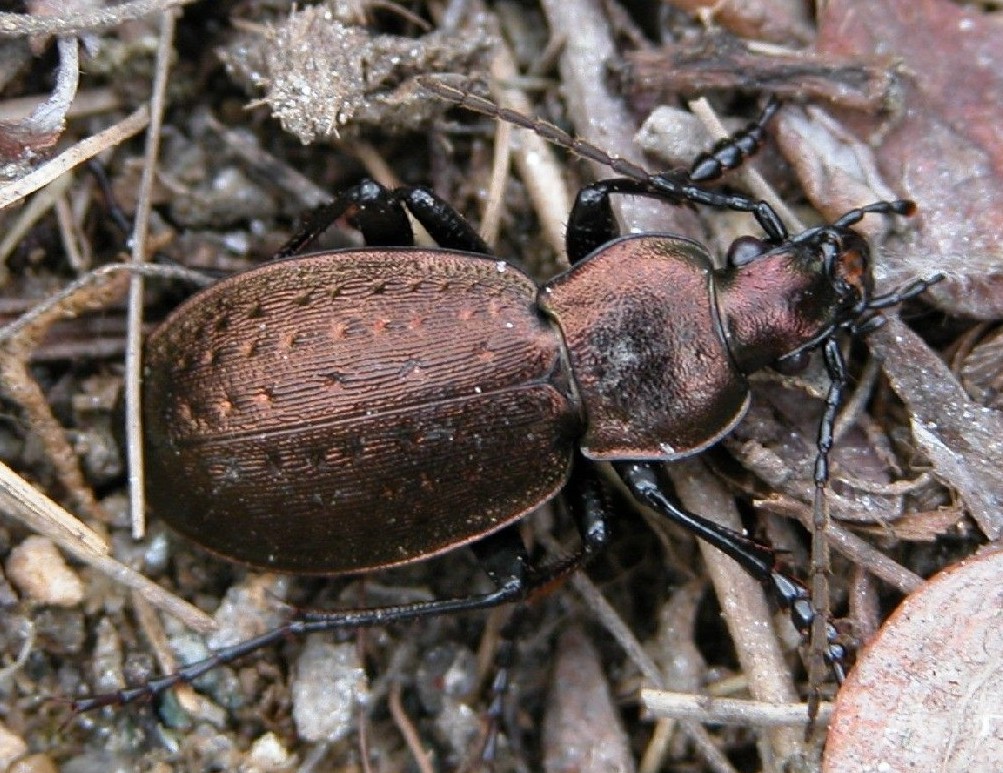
<point x="261" y="108"/>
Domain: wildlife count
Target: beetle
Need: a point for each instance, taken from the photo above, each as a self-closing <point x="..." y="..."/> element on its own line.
<point x="447" y="394"/>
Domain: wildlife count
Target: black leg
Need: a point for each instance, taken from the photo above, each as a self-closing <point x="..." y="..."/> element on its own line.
<point x="444" y="224"/>
<point x="673" y="187"/>
<point x="836" y="368"/>
<point x="379" y="213"/>
<point x="644" y="483"/>
<point x="369" y="206"/>
<point x="591" y="223"/>
<point x="587" y="501"/>
<point x="667" y="187"/>
<point x="502" y="555"/>
<point x="312" y="622"/>
<point x="732" y="151"/>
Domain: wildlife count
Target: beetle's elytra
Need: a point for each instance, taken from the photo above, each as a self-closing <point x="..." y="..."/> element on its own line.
<point x="352" y="410"/>
<point x="301" y="401"/>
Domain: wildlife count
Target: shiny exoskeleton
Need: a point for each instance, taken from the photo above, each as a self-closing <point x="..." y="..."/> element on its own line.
<point x="353" y="410"/>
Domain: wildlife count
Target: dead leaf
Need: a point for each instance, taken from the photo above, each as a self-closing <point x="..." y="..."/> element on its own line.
<point x="962" y="440"/>
<point x="925" y="694"/>
<point x="943" y="148"/>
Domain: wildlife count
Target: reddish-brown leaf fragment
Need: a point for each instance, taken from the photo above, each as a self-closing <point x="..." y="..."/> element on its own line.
<point x="925" y="693"/>
<point x="943" y="148"/>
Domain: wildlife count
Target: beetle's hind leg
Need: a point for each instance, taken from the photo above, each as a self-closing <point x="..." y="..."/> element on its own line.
<point x="380" y="213"/>
<point x="502" y="555"/>
<point x="504" y="558"/>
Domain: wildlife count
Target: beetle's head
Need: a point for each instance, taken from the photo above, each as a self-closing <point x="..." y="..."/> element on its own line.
<point x="845" y="261"/>
<point x="783" y="299"/>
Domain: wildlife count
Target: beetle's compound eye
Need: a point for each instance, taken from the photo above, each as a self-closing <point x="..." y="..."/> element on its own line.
<point x="851" y="267"/>
<point x="792" y="364"/>
<point x="746" y="249"/>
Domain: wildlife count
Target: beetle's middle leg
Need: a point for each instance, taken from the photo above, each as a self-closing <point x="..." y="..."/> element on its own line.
<point x="380" y="213"/>
<point x="644" y="483"/>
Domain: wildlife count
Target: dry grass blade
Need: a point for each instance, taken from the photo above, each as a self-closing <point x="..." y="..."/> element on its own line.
<point x="44" y="516"/>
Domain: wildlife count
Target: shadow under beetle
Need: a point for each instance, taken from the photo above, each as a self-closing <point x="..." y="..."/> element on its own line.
<point x="354" y="410"/>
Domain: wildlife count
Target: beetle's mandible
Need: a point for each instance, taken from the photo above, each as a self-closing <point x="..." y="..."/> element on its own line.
<point x="352" y="410"/>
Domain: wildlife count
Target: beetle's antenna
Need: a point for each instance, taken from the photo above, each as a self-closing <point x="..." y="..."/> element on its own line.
<point x="676" y="187"/>
<point x="549" y="132"/>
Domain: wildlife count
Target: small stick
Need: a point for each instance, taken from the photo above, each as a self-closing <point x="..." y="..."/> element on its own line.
<point x="82" y="151"/>
<point x="729" y="711"/>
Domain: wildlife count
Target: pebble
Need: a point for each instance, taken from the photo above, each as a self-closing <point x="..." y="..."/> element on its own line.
<point x="330" y="684"/>
<point x="39" y="571"/>
<point x="268" y="755"/>
<point x="11" y="747"/>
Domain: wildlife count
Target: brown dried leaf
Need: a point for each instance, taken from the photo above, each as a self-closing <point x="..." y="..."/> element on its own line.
<point x="919" y="527"/>
<point x="925" y="693"/>
<point x="962" y="440"/>
<point x="943" y="148"/>
<point x="776" y="441"/>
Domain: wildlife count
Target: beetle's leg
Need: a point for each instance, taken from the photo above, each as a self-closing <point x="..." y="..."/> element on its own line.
<point x="514" y="588"/>
<point x="502" y="555"/>
<point x="372" y="208"/>
<point x="732" y="151"/>
<point x="670" y="188"/>
<point x="591" y="223"/>
<point x="378" y="212"/>
<point x="503" y="568"/>
<point x="444" y="224"/>
<point x="836" y="368"/>
<point x="643" y="481"/>
<point x="587" y="502"/>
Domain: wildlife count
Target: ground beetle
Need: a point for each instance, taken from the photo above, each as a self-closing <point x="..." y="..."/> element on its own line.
<point x="359" y="409"/>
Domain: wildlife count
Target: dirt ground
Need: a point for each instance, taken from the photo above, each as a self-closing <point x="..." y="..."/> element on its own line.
<point x="194" y="135"/>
